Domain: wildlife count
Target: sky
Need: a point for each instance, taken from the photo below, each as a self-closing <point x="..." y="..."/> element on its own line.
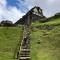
<point x="13" y="10"/>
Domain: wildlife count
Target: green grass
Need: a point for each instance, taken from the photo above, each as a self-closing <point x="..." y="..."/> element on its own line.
<point x="9" y="39"/>
<point x="49" y="47"/>
<point x="53" y="22"/>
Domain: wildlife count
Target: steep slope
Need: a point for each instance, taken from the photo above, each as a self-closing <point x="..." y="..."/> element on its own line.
<point x="45" y="42"/>
<point x="9" y="41"/>
<point x="34" y="14"/>
<point x="51" y="22"/>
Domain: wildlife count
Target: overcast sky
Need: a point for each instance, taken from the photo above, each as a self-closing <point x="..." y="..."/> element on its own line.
<point x="15" y="9"/>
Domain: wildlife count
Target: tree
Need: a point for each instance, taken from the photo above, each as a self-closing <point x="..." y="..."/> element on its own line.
<point x="6" y="23"/>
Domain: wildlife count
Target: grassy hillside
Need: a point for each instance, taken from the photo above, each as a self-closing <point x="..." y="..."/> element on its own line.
<point x="45" y="44"/>
<point x="52" y="22"/>
<point x="45" y="41"/>
<point x="9" y="39"/>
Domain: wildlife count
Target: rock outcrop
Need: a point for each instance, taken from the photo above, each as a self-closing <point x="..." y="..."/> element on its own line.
<point x="35" y="14"/>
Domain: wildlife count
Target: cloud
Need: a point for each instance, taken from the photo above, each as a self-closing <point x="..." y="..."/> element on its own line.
<point x="10" y="13"/>
<point x="53" y="2"/>
<point x="50" y="7"/>
<point x="3" y="2"/>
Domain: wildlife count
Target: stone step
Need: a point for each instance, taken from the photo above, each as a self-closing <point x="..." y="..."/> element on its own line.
<point x="24" y="55"/>
<point x="25" y="49"/>
<point x="25" y="43"/>
<point x="25" y="46"/>
<point x="25" y="52"/>
<point x="24" y="58"/>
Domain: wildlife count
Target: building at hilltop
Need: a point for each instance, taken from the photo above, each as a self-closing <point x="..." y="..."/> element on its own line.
<point x="35" y="14"/>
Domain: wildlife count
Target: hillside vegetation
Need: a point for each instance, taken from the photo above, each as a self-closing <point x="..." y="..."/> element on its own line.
<point x="52" y="22"/>
<point x="9" y="39"/>
<point x="45" y="42"/>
